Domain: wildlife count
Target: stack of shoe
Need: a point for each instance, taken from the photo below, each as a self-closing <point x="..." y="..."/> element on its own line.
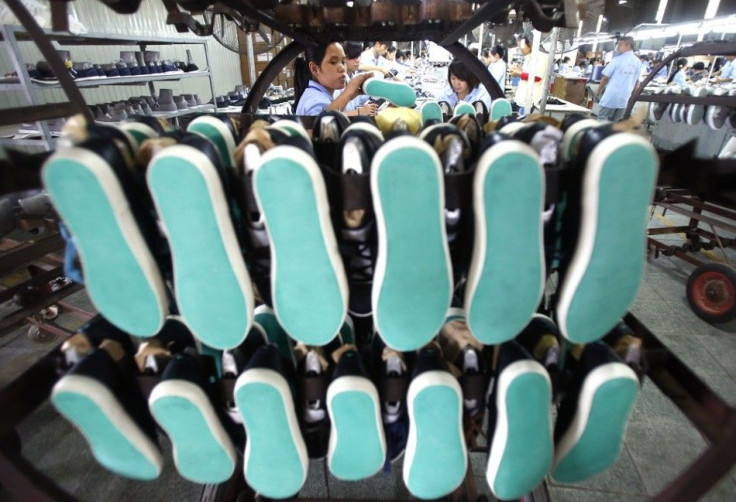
<point x="372" y="233"/>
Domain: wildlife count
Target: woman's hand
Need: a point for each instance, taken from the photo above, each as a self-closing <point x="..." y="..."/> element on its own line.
<point x="355" y="86"/>
<point x="368" y="109"/>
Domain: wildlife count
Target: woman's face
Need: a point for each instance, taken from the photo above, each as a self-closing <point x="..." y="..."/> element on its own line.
<point x="459" y="86"/>
<point x="494" y="57"/>
<point x="525" y="49"/>
<point x="331" y="73"/>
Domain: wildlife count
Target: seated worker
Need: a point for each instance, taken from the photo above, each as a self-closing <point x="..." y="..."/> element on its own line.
<point x="359" y="105"/>
<point x="678" y="76"/>
<point x="318" y="75"/>
<point x="463" y="86"/>
<point x="374" y="59"/>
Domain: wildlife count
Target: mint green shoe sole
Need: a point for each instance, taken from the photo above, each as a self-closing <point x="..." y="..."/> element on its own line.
<point x="606" y="268"/>
<point x="211" y="283"/>
<point x="398" y="93"/>
<point x="275" y="460"/>
<point x="357" y="447"/>
<point x="463" y="108"/>
<point x="412" y="285"/>
<point x="595" y="436"/>
<point x="506" y="274"/>
<point x="122" y="278"/>
<point x="117" y="442"/>
<point x="203" y="452"/>
<point x="500" y="108"/>
<point x="436" y="457"/>
<point x="218" y="133"/>
<point x="308" y="282"/>
<point x="431" y="111"/>
<point x="523" y="426"/>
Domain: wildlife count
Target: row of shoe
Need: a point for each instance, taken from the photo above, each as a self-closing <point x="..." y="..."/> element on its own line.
<point x="715" y="117"/>
<point x="166" y="102"/>
<point x="131" y="63"/>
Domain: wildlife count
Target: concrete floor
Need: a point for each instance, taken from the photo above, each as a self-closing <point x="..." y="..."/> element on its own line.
<point x="660" y="442"/>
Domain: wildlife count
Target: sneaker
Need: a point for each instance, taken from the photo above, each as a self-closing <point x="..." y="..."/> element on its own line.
<point x="604" y="232"/>
<point x="309" y="286"/>
<point x="398" y="93"/>
<point x="221" y="131"/>
<point x="508" y="199"/>
<point x="436" y="458"/>
<point x="519" y="422"/>
<point x="628" y="347"/>
<point x="592" y="420"/>
<point x="328" y="128"/>
<point x="357" y="227"/>
<point x="190" y="62"/>
<point x="409" y="301"/>
<point x="500" y="108"/>
<point x="481" y="111"/>
<point x="431" y="113"/>
<point x="357" y="447"/>
<point x="574" y="127"/>
<point x="266" y="317"/>
<point x="93" y="191"/>
<point x="463" y="107"/>
<point x="234" y="361"/>
<point x="90" y="336"/>
<point x="211" y="282"/>
<point x="275" y="460"/>
<point x="541" y="339"/>
<point x="314" y="372"/>
<point x="391" y="372"/>
<point x="203" y="451"/>
<point x="107" y="407"/>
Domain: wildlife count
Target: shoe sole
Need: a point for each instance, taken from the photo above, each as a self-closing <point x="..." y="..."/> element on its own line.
<point x="463" y="108"/>
<point x="117" y="442"/>
<point x="275" y="460"/>
<point x="523" y="425"/>
<point x="595" y="437"/>
<point x="398" y="93"/>
<point x="508" y="199"/>
<point x="357" y="447"/>
<point x="308" y="282"/>
<point x="211" y="282"/>
<point x="203" y="452"/>
<point x="215" y="130"/>
<point x="431" y="111"/>
<point x="139" y="132"/>
<point x="436" y="457"/>
<point x="500" y="108"/>
<point x="90" y="199"/>
<point x="412" y="284"/>
<point x="606" y="267"/>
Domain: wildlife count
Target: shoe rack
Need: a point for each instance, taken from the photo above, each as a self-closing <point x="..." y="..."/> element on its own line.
<point x="12" y="36"/>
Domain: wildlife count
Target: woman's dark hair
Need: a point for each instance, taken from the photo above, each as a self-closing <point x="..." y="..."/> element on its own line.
<point x="699" y="66"/>
<point x="302" y="75"/>
<point x="486" y="53"/>
<point x="353" y="49"/>
<point x="498" y="50"/>
<point x="679" y="65"/>
<point x="460" y="71"/>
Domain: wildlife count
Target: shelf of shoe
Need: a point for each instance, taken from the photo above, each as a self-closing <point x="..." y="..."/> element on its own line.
<point x="105" y="38"/>
<point x="728" y="101"/>
<point x="187" y="111"/>
<point x="15" y="86"/>
<point x="136" y="80"/>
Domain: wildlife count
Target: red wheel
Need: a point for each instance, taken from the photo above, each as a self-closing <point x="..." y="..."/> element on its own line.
<point x="711" y="292"/>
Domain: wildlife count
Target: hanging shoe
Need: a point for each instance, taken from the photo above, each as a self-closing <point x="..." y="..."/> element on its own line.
<point x="541" y="339"/>
<point x="309" y="286"/>
<point x="412" y="285"/>
<point x="431" y="113"/>
<point x="436" y="458"/>
<point x="603" y="232"/>
<point x="221" y="130"/>
<point x="275" y="460"/>
<point x="211" y="282"/>
<point x="508" y="199"/>
<point x="463" y="107"/>
<point x="592" y="419"/>
<point x="266" y="317"/>
<point x="106" y="405"/>
<point x="101" y="203"/>
<point x="357" y="448"/>
<point x="519" y="424"/>
<point x="398" y="93"/>
<point x="182" y="406"/>
<point x="500" y="108"/>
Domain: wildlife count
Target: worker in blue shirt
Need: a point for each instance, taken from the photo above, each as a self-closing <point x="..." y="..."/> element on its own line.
<point x="318" y="75"/>
<point x="463" y="86"/>
<point x="727" y="73"/>
<point x="678" y="75"/>
<point x="618" y="81"/>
